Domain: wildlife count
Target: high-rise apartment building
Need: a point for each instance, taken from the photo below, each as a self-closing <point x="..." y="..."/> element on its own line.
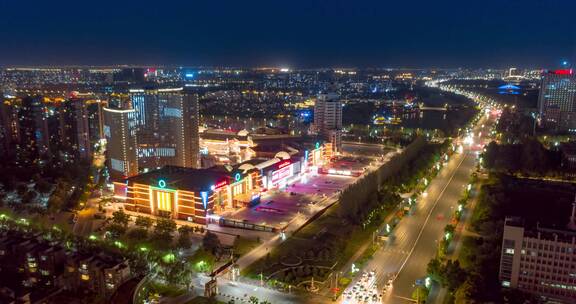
<point x="119" y="132"/>
<point x="539" y="259"/>
<point x="557" y="100"/>
<point x="74" y="127"/>
<point x="35" y="126"/>
<point x="328" y="119"/>
<point x="167" y="127"/>
<point x="161" y="126"/>
<point x="34" y="135"/>
<point x="9" y="126"/>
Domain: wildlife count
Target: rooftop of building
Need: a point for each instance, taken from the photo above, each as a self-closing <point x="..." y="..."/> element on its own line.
<point x="536" y="205"/>
<point x="188" y="179"/>
<point x="542" y="230"/>
<point x="217" y="134"/>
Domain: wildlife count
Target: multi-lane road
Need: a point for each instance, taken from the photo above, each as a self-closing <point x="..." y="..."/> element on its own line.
<point x="416" y="237"/>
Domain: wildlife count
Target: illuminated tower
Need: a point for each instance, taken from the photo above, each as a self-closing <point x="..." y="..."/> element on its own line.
<point x="328" y="119"/>
<point x="557" y="100"/>
<point x="166" y="123"/>
<point x="121" y="142"/>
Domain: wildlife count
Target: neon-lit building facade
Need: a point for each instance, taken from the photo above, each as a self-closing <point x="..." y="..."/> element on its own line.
<point x="121" y="146"/>
<point x="186" y="193"/>
<point x="166" y="123"/>
<point x="200" y="195"/>
<point x="159" y="127"/>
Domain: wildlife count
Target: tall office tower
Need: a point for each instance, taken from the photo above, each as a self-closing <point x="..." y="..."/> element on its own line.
<point x="166" y="122"/>
<point x="328" y="119"/>
<point x="34" y="134"/>
<point x="119" y="131"/>
<point x="557" y="100"/>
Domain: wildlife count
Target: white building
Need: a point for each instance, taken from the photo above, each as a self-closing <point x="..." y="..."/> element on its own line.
<point x="539" y="260"/>
<point x="328" y="119"/>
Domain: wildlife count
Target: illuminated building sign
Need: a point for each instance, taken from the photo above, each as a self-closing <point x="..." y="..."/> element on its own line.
<point x="204" y="196"/>
<point x="284" y="164"/>
<point x="281" y="174"/>
<point x="219" y="185"/>
<point x="162" y="183"/>
<point x="237" y="177"/>
<point x="317" y="145"/>
<point x="563" y="72"/>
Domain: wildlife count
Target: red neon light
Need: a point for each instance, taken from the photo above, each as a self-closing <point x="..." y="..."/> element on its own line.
<point x="220" y="184"/>
<point x="284" y="164"/>
<point x="563" y="72"/>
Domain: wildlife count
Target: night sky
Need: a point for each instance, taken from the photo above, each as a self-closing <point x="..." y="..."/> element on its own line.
<point x="295" y="33"/>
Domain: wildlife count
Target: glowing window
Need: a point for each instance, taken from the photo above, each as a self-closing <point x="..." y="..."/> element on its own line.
<point x="238" y="189"/>
<point x="164" y="200"/>
<point x="85" y="277"/>
<point x="509" y="251"/>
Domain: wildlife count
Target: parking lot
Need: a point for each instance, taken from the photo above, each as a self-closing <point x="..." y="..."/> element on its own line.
<point x="278" y="207"/>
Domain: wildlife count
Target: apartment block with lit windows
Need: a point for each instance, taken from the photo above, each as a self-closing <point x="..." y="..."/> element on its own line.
<point x="328" y="119"/>
<point x="159" y="127"/>
<point x="30" y="261"/>
<point x="100" y="274"/>
<point x="539" y="260"/>
<point x="557" y="100"/>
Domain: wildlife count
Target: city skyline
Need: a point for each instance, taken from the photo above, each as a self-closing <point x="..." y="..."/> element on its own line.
<point x="312" y="151"/>
<point x="301" y="35"/>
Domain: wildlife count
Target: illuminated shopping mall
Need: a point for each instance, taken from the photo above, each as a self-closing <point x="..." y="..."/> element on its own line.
<point x="199" y="195"/>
